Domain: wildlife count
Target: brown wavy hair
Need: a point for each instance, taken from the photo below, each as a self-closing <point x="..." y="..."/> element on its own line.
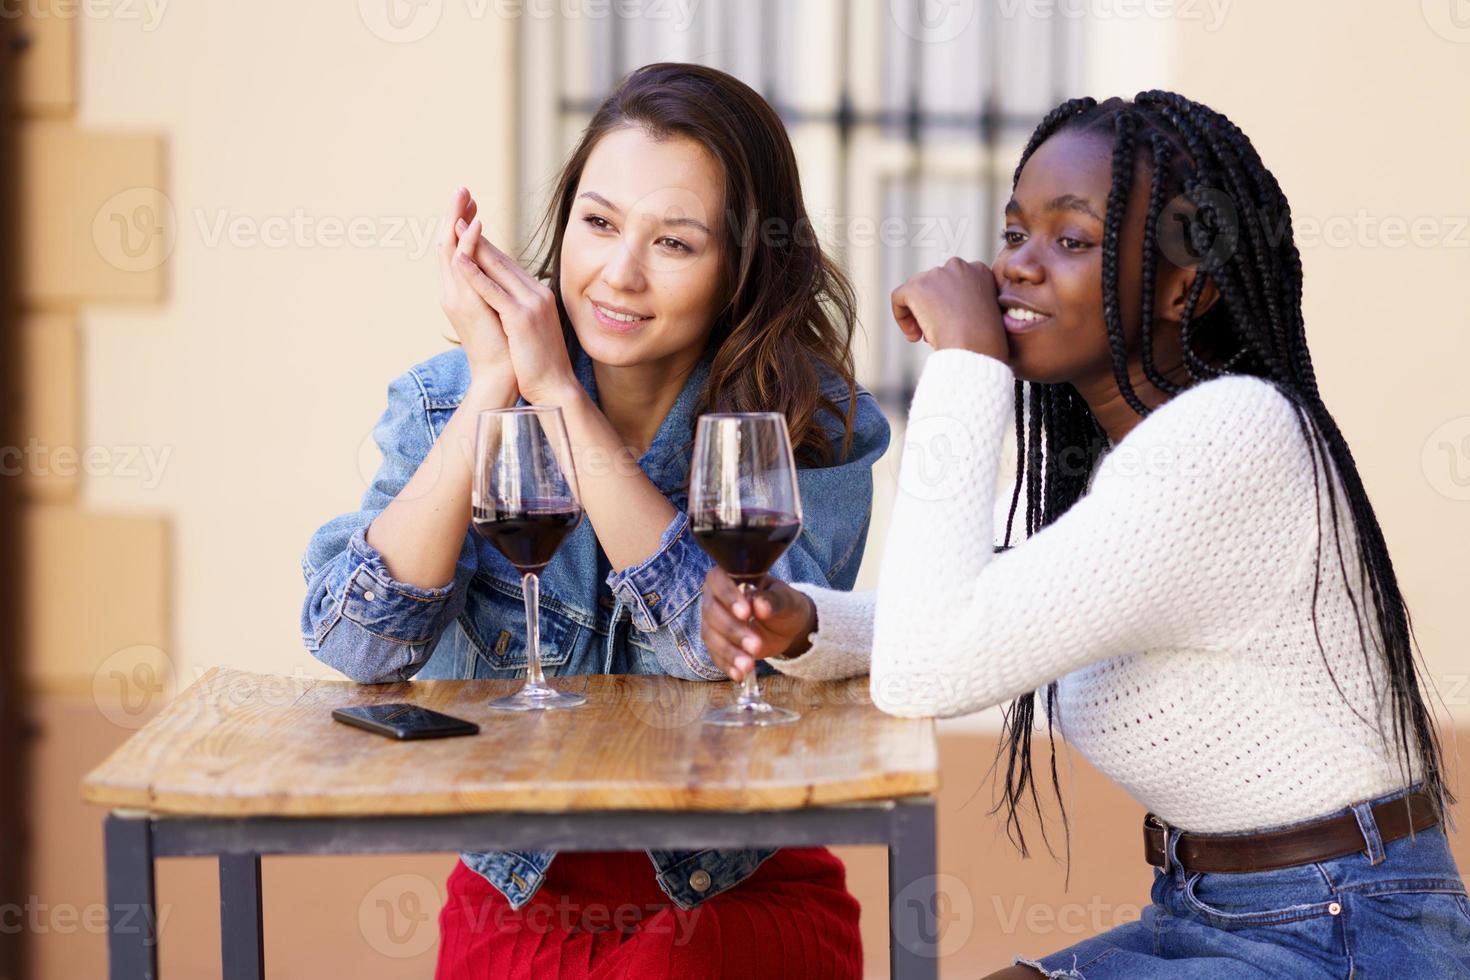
<point x="789" y="311"/>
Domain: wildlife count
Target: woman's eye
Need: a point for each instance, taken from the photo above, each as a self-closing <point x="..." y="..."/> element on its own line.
<point x="597" y="221"/>
<point x="675" y="245"/>
<point x="1012" y="238"/>
<point x="1072" y="244"/>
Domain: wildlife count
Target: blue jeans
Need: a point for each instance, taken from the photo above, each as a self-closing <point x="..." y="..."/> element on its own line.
<point x="1397" y="910"/>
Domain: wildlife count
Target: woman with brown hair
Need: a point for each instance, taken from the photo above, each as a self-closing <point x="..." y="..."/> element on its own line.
<point x="679" y="275"/>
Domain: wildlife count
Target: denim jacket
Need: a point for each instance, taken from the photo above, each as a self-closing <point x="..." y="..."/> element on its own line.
<point x="640" y="620"/>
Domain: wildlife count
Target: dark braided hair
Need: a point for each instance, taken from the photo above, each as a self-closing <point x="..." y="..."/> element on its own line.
<point x="1238" y="230"/>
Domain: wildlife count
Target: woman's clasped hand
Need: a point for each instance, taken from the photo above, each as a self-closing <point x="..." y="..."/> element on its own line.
<point x="505" y="318"/>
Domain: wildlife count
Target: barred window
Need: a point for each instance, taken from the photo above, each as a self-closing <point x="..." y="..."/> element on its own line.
<point x="906" y="116"/>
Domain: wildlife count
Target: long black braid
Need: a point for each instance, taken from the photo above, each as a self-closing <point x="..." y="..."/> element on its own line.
<point x="1239" y="231"/>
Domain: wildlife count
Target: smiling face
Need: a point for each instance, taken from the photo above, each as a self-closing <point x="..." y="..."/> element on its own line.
<point x="1048" y="272"/>
<point x="641" y="263"/>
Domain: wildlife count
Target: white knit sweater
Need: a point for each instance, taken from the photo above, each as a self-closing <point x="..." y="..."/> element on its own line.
<point x="1173" y="602"/>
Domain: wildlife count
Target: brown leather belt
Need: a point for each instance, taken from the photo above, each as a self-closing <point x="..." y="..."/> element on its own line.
<point x="1320" y="840"/>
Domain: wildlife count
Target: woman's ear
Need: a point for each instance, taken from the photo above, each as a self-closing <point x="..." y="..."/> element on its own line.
<point x="1175" y="293"/>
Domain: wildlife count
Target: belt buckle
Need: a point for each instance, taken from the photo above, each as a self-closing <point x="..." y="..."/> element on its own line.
<point x="1161" y="825"/>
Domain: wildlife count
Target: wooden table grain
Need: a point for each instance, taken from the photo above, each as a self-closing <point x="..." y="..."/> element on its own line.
<point x="242" y="765"/>
<point x="242" y="744"/>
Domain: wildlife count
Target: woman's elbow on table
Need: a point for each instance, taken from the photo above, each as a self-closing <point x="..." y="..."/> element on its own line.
<point x="910" y="678"/>
<point x="898" y="689"/>
<point x="334" y="631"/>
<point x="366" y="658"/>
<point x="357" y="620"/>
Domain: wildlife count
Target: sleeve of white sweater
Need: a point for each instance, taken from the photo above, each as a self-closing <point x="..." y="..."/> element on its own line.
<point x="1193" y="524"/>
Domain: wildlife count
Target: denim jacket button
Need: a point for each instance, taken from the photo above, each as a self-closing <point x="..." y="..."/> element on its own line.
<point x="1334" y="909"/>
<point x="369" y="595"/>
<point x="699" y="881"/>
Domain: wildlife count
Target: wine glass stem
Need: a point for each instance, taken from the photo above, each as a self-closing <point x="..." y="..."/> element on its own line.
<point x="531" y="586"/>
<point x="750" y="688"/>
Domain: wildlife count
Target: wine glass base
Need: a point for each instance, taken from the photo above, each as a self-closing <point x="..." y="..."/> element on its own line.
<point x="750" y="714"/>
<point x="531" y="698"/>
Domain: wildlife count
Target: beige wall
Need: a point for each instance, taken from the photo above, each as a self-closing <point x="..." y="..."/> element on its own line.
<point x="257" y="384"/>
<point x="1360" y="110"/>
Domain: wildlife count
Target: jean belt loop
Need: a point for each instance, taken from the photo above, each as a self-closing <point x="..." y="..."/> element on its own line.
<point x="1171" y="850"/>
<point x="1368" y="826"/>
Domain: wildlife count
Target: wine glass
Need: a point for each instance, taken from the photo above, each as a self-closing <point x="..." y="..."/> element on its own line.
<point x="524" y="502"/>
<point x="745" y="510"/>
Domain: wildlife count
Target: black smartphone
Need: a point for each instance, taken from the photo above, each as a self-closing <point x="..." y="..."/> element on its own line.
<point x="405" y="721"/>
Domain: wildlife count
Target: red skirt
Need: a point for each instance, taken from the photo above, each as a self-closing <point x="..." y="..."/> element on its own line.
<point x="602" y="916"/>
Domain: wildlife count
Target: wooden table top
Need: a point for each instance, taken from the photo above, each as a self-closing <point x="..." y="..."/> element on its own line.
<point x="243" y="744"/>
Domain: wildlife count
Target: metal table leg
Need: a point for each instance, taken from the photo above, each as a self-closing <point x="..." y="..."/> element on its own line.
<point x="241" y="927"/>
<point x="913" y="916"/>
<point x="132" y="937"/>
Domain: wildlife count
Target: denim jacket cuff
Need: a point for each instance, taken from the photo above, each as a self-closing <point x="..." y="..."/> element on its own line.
<point x="384" y="606"/>
<point x="659" y="588"/>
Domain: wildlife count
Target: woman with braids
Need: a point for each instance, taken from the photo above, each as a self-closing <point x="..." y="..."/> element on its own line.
<point x="1203" y="601"/>
<point x="654" y="299"/>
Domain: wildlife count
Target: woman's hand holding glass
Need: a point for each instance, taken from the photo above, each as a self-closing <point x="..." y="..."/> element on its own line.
<point x="738" y="629"/>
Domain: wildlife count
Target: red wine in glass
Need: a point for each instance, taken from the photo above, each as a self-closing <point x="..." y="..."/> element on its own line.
<point x="748" y="547"/>
<point x="745" y="510"/>
<point x="527" y="538"/>
<point x="523" y="500"/>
